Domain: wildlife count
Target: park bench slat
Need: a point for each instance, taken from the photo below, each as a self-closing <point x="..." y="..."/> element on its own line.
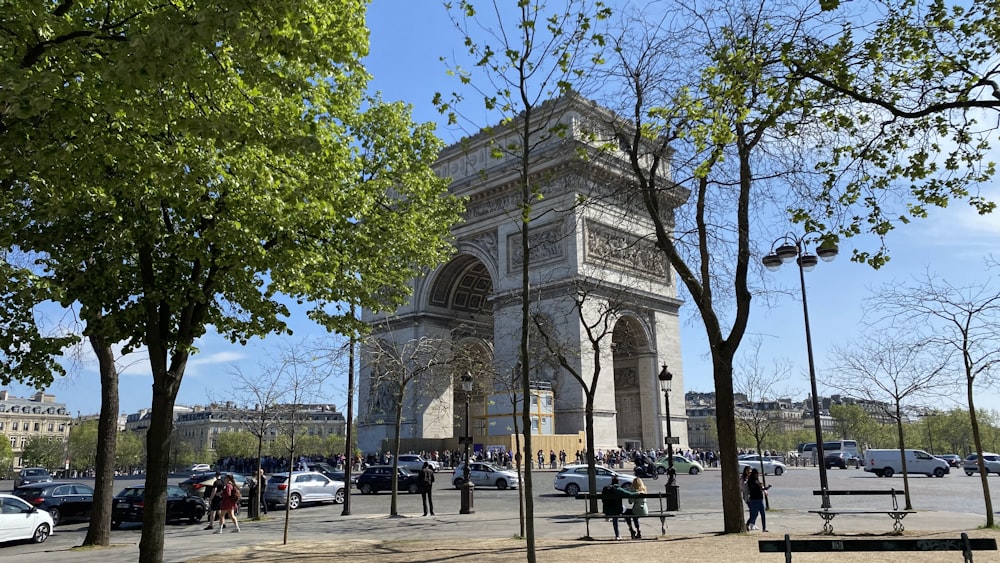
<point x="878" y="544"/>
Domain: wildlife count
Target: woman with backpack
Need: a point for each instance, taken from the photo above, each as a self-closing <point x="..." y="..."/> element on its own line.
<point x="230" y="502"/>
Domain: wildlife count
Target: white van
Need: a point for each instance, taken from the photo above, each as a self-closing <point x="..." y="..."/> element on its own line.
<point x="886" y="463"/>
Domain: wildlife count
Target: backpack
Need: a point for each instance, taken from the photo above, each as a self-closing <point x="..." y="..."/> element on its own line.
<point x="236" y="494"/>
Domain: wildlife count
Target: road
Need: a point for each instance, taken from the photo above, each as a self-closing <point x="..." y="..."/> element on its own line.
<point x="496" y="514"/>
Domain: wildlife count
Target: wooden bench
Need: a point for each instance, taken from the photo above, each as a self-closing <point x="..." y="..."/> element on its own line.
<point x="652" y="512"/>
<point x="965" y="544"/>
<point x="828" y="514"/>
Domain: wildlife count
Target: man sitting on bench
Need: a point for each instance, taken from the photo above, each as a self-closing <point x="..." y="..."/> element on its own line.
<point x="611" y="498"/>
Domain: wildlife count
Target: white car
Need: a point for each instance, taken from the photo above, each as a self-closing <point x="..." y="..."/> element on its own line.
<point x="486" y="475"/>
<point x="771" y="466"/>
<point x="572" y="479"/>
<point x="21" y="521"/>
<point x="415" y="463"/>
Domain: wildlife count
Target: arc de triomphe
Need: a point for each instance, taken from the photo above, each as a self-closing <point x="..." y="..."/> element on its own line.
<point x="592" y="250"/>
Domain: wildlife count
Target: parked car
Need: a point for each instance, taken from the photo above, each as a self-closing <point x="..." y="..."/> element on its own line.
<point x="842" y="460"/>
<point x="305" y="486"/>
<point x="953" y="460"/>
<point x="200" y="483"/>
<point x="127" y="505"/>
<point x="990" y="461"/>
<point x="681" y="465"/>
<point x="63" y="501"/>
<point x="572" y="479"/>
<point x="30" y="475"/>
<point x="415" y="463"/>
<point x="771" y="466"/>
<point x="486" y="475"/>
<point x="330" y="471"/>
<point x="21" y="521"/>
<point x="379" y="478"/>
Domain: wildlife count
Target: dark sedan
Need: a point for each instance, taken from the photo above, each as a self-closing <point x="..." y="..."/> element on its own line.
<point x="379" y="478"/>
<point x="64" y="501"/>
<point x="200" y="484"/>
<point x="127" y="506"/>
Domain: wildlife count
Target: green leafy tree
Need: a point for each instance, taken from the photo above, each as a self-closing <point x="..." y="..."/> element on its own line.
<point x="44" y="451"/>
<point x="851" y="422"/>
<point x="82" y="445"/>
<point x="235" y="444"/>
<point x="130" y="451"/>
<point x="6" y="456"/>
<point x="169" y="167"/>
<point x="904" y="94"/>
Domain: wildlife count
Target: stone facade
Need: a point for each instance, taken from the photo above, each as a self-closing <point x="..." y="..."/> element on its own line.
<point x="592" y="250"/>
<point x="22" y="419"/>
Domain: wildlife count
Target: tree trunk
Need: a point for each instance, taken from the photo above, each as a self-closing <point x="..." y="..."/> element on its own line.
<point x="978" y="440"/>
<point x="393" y="506"/>
<point x="725" y="406"/>
<point x="99" y="529"/>
<point x="588" y="424"/>
<point x="902" y="456"/>
<point x="159" y="439"/>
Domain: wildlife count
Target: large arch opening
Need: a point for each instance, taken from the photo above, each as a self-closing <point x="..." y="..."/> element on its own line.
<point x="627" y="340"/>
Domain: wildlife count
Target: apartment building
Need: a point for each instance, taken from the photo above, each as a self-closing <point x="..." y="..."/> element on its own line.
<point x="22" y="419"/>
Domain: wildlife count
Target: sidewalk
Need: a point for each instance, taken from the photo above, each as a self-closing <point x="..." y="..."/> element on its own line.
<point x="490" y="536"/>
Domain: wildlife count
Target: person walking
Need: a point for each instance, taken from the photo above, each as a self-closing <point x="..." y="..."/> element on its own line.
<point x="230" y="501"/>
<point x="214" y="495"/>
<point x="744" y="477"/>
<point x="638" y="508"/>
<point x="611" y="499"/>
<point x="426" y="486"/>
<point x="756" y="492"/>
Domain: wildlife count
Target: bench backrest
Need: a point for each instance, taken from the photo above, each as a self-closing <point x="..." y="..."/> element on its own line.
<point x="880" y="544"/>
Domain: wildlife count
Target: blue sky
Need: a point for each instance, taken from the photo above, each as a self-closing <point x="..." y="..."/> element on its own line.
<point x="407" y="40"/>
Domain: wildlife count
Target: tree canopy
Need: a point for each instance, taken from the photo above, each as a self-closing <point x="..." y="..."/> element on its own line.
<point x="168" y="168"/>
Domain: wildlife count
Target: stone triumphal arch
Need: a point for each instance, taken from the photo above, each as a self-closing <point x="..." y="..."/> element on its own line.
<point x="591" y="251"/>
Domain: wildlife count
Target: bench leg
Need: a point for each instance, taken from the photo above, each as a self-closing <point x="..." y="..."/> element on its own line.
<point x="827" y="523"/>
<point x="897" y="523"/>
<point x="663" y="525"/>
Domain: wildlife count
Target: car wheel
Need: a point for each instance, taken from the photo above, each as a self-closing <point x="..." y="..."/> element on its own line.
<point x="459" y="482"/>
<point x="56" y="516"/>
<point x="969" y="473"/>
<point x="365" y="489"/>
<point x="887" y="472"/>
<point x="339" y="497"/>
<point x="294" y="501"/>
<point x="115" y="524"/>
<point x="41" y="533"/>
<point x="778" y="471"/>
<point x="501" y="484"/>
<point x="572" y="489"/>
<point x="939" y="472"/>
<point x="660" y="469"/>
<point x="198" y="514"/>
<point x="413" y="488"/>
<point x="694" y="471"/>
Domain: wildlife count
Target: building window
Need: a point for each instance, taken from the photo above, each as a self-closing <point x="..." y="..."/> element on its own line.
<point x="51" y="426"/>
<point x="62" y="427"/>
<point x="1" y="425"/>
<point x="13" y="442"/>
<point x="38" y="426"/>
<point x="13" y="425"/>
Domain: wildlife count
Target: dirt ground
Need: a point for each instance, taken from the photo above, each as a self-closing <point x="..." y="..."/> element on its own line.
<point x="725" y="548"/>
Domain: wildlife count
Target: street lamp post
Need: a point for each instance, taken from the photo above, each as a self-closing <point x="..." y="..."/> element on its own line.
<point x="795" y="248"/>
<point x="673" y="502"/>
<point x="467" y="486"/>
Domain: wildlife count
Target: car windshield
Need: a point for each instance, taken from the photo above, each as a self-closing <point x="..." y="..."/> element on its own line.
<point x="35" y="472"/>
<point x="132" y="492"/>
<point x="278" y="479"/>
